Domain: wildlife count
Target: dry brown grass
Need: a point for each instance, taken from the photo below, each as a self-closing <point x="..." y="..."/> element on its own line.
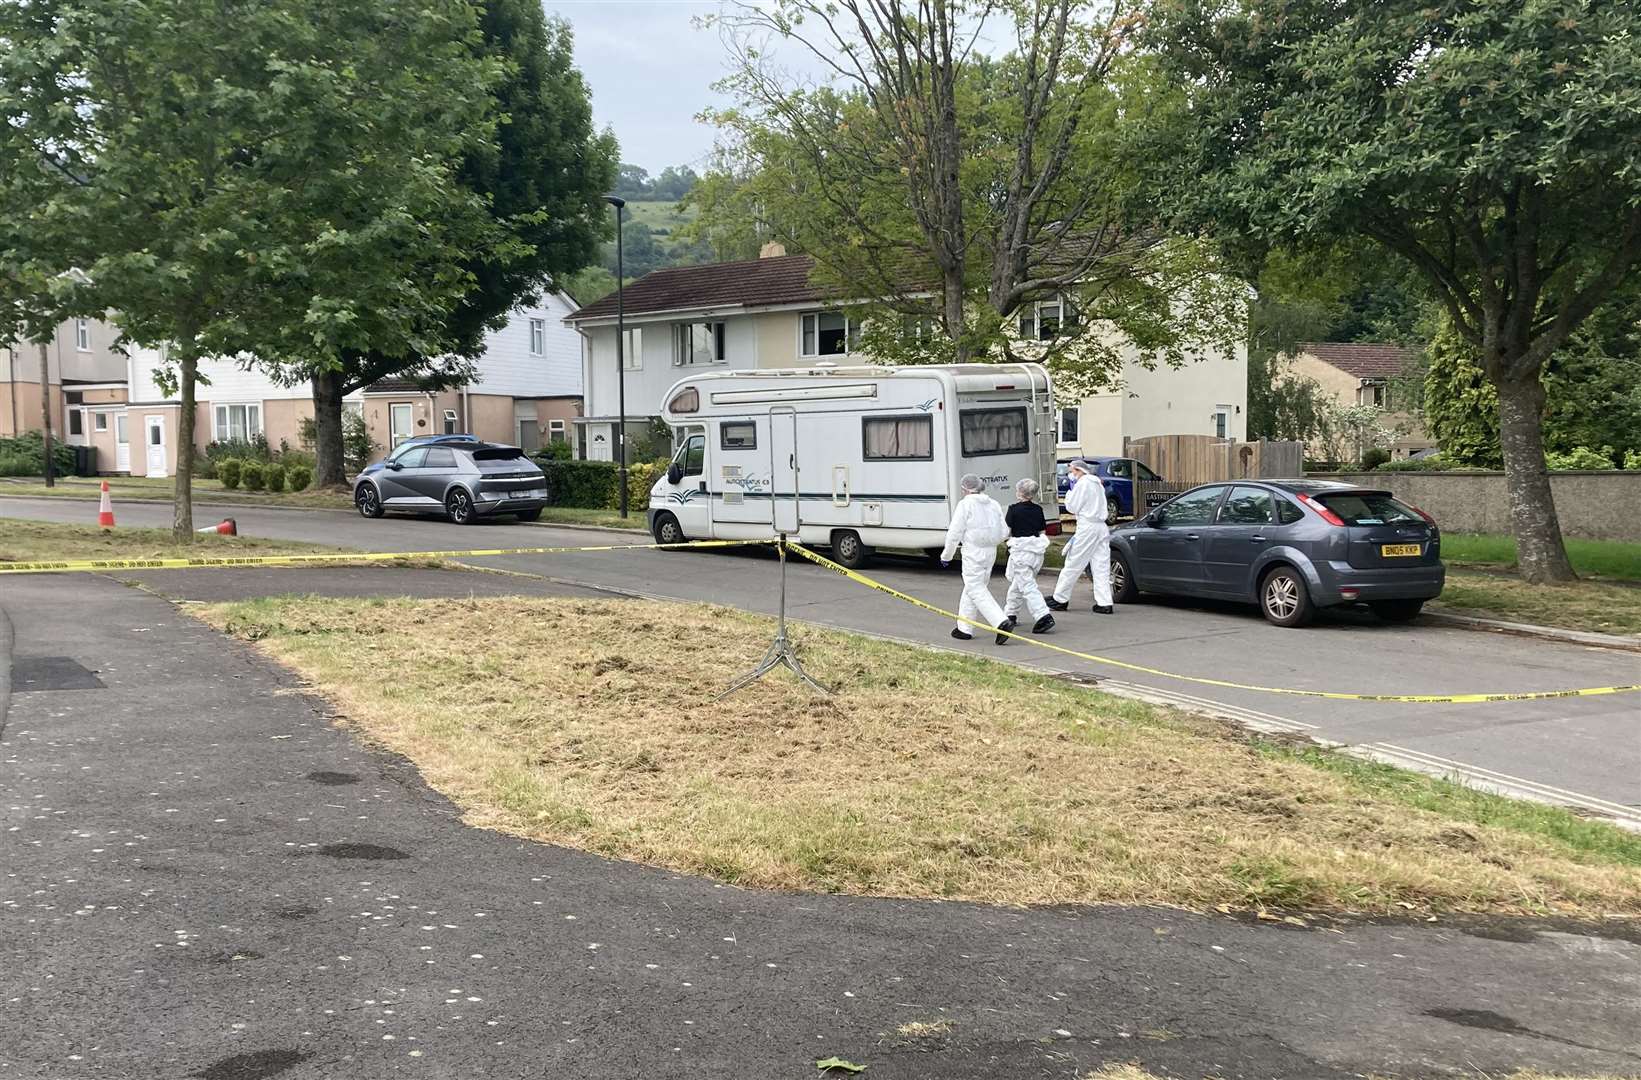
<point x="591" y="724"/>
<point x="1119" y="1072"/>
<point x="923" y="1029"/>
<point x="47" y="541"/>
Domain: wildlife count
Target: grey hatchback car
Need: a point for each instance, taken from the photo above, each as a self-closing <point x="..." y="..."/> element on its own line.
<point x="1290" y="546"/>
<point x="465" y="479"/>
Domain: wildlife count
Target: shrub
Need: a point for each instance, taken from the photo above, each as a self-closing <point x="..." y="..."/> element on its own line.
<point x="294" y="458"/>
<point x="588" y="484"/>
<point x="251" y="475"/>
<point x="1374" y="458"/>
<point x="228" y="472"/>
<point x="556" y="451"/>
<point x="1632" y="459"/>
<point x="298" y="477"/>
<point x="244" y="449"/>
<point x="25" y="456"/>
<point x="1580" y="457"/>
<point x="205" y="468"/>
<point x="273" y="478"/>
<point x="640" y="478"/>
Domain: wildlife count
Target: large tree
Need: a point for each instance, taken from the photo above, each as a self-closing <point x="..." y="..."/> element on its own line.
<point x="541" y="180"/>
<point x="260" y="178"/>
<point x="960" y="162"/>
<point x="1489" y="143"/>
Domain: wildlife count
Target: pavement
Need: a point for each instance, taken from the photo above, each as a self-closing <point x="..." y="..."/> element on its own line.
<point x="205" y="876"/>
<point x="1584" y="752"/>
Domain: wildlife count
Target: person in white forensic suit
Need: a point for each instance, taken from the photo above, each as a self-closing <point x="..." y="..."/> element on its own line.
<point x="1028" y="543"/>
<point x="1090" y="548"/>
<point x="977" y="528"/>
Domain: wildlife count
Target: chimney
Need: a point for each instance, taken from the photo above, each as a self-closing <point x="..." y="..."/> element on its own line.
<point x="772" y="250"/>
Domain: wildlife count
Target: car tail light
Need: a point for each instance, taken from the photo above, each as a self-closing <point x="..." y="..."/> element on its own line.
<point x="1327" y="515"/>
<point x="1052" y="528"/>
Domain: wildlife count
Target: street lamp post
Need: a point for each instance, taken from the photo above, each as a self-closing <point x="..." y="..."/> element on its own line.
<point x="620" y="354"/>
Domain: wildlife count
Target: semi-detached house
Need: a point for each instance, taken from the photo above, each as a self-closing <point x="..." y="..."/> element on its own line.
<point x="766" y="313"/>
<point x="526" y="391"/>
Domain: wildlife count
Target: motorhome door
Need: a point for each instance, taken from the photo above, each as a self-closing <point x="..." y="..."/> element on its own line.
<point x="785" y="481"/>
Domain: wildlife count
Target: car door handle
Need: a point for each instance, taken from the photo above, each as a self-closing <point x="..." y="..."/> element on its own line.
<point x="1192" y="536"/>
<point x="1256" y="539"/>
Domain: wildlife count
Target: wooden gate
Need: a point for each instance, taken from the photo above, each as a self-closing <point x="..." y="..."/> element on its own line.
<point x="1184" y="461"/>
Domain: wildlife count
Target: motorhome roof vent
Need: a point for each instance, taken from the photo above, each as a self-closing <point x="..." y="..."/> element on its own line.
<point x="826" y="365"/>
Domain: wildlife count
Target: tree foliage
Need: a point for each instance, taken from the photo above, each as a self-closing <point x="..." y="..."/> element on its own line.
<point x="1486" y="142"/>
<point x="959" y="188"/>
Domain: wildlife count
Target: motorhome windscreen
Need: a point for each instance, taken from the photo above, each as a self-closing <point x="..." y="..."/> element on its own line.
<point x="994" y="431"/>
<point x="898" y="438"/>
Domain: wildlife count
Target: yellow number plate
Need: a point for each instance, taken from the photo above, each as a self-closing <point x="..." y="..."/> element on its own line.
<point x="1392" y="550"/>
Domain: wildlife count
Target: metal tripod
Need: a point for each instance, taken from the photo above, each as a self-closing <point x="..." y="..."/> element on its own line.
<point x="781" y="652"/>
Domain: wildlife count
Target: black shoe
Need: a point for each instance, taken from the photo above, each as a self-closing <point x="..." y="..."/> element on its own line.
<point x="1002" y="628"/>
<point x="962" y="635"/>
<point x="1055" y="605"/>
<point x="1043" y="625"/>
<point x="1104" y="609"/>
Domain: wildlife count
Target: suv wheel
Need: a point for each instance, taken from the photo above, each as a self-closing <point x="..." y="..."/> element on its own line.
<point x="848" y="549"/>
<point x="1283" y="598"/>
<point x="666" y="529"/>
<point x="1110" y="511"/>
<point x="368" y="500"/>
<point x="1397" y="610"/>
<point x="1124" y="590"/>
<point x="458" y="507"/>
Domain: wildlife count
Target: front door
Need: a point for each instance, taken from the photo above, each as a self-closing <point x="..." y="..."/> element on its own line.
<point x="399" y="423"/>
<point x="156" y="445"/>
<point x="122" y="444"/>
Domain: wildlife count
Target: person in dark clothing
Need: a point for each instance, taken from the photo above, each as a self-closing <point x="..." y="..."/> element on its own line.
<point x="1027" y="546"/>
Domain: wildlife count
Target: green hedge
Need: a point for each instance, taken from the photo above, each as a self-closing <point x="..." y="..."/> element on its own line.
<point x="24" y="456"/>
<point x="273" y="477"/>
<point x="251" y="475"/>
<point x="228" y="472"/>
<point x="587" y="484"/>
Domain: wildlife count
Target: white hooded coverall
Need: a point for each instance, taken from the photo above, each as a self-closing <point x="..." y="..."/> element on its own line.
<point x="1091" y="544"/>
<point x="1025" y="560"/>
<point x="977" y="528"/>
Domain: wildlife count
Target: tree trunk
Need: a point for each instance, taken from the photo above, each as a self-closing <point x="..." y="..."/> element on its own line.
<point x="952" y="301"/>
<point x="182" y="528"/>
<point x="330" y="467"/>
<point x="45" y="412"/>
<point x="1539" y="548"/>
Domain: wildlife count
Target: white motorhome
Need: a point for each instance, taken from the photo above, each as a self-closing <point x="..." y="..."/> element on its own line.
<point x="851" y="458"/>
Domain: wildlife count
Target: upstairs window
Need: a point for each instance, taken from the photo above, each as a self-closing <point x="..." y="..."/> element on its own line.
<point x="829" y="333"/>
<point x="698" y="343"/>
<point x="632" y="350"/>
<point x="82" y="335"/>
<point x="1373" y="393"/>
<point x="538" y="337"/>
<point x="1068" y="423"/>
<point x="1046" y="320"/>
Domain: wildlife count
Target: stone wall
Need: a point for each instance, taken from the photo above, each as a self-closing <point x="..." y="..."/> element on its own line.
<point x="1592" y="505"/>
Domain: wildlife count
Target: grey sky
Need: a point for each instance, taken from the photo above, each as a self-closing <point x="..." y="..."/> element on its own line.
<point x="650" y="72"/>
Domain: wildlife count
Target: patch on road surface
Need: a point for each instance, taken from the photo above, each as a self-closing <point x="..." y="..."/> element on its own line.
<point x="361" y="851"/>
<point x="38" y="674"/>
<point x="256" y="1066"/>
<point x="1487" y="1020"/>
<point x="293" y="911"/>
<point x="333" y="779"/>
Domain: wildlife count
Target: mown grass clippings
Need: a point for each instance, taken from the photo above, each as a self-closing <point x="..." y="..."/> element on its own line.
<point x="592" y="724"/>
<point x="47" y="541"/>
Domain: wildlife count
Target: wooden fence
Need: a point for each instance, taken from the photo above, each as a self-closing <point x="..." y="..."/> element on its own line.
<point x="1186" y="460"/>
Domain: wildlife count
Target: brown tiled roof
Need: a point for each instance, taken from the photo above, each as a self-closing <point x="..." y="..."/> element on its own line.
<point x="395" y="386"/>
<point x="783" y="279"/>
<point x="1365" y="360"/>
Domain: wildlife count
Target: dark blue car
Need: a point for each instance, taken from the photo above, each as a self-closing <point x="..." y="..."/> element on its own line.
<point x="1118" y="475"/>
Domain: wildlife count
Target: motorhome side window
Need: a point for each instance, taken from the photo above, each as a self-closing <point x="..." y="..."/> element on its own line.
<point x="738" y="435"/>
<point x="898" y="438"/>
<point x="993" y="431"/>
<point x="698" y="343"/>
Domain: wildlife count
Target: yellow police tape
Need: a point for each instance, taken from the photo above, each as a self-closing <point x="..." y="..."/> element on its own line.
<point x="1460" y="699"/>
<point x="83" y="565"/>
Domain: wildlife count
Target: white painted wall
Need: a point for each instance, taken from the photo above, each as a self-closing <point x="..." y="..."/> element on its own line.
<point x="1182" y="401"/>
<point x="507" y="366"/>
<point x="647" y="386"/>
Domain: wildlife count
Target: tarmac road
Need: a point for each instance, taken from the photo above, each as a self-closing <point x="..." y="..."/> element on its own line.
<point x="1585" y="751"/>
<point x="205" y="877"/>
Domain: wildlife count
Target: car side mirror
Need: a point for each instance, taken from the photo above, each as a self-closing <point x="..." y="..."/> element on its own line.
<point x="675" y="473"/>
<point x="1157" y="518"/>
<point x="395" y="466"/>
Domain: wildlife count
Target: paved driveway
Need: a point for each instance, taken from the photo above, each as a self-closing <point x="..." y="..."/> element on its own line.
<point x="1586" y="751"/>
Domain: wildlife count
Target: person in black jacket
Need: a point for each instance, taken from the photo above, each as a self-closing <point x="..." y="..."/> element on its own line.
<point x="1028" y="543"/>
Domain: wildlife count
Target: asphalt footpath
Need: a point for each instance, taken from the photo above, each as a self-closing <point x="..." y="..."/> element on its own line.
<point x="206" y="875"/>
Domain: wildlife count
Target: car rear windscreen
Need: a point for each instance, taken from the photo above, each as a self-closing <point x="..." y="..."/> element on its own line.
<point x="1369" y="508"/>
<point x="497" y="453"/>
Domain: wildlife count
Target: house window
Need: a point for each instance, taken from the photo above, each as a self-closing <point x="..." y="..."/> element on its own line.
<point x="829" y="333"/>
<point x="698" y="343"/>
<point x="1222" y="421"/>
<point x="918" y="329"/>
<point x="555" y="431"/>
<point x="76" y="422"/>
<point x="1044" y="320"/>
<point x="632" y="350"/>
<point x="898" y="438"/>
<point x="82" y="334"/>
<point x="1066" y="422"/>
<point x="738" y="435"/>
<point x="99" y="421"/>
<point x="538" y="337"/>
<point x="993" y="431"/>
<point x="237" y="423"/>
<point x="1373" y="394"/>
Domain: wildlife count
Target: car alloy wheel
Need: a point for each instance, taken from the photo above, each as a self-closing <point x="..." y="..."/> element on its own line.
<point x="368" y="501"/>
<point x="458" y="506"/>
<point x="1119" y="577"/>
<point x="1283" y="598"/>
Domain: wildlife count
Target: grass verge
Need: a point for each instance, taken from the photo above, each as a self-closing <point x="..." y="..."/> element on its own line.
<point x="1602" y="558"/>
<point x="1599" y="606"/>
<point x="592" y="724"/>
<point x="162" y="489"/>
<point x="603" y="519"/>
<point x="43" y="541"/>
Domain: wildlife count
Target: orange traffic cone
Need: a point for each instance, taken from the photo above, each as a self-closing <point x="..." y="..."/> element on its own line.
<point x="226" y="527"/>
<point x="105" y="510"/>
